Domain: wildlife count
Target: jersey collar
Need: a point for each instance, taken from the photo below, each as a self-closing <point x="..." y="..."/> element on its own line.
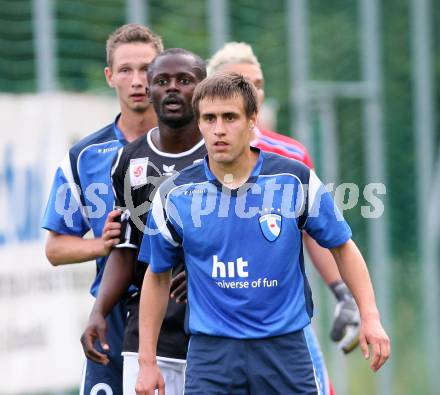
<point x="252" y="178"/>
<point x="119" y="135"/>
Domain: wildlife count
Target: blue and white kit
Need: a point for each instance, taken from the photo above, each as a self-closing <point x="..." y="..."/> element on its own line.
<point x="243" y="248"/>
<point x="247" y="279"/>
<point x="80" y="200"/>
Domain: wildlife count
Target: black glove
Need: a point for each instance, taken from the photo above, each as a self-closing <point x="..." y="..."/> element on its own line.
<point x="346" y="323"/>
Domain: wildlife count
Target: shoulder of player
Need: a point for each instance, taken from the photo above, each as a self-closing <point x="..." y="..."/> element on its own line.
<point x="278" y="164"/>
<point x="282" y="139"/>
<point x="135" y="149"/>
<point x="194" y="173"/>
<point x="103" y="135"/>
<point x="191" y="175"/>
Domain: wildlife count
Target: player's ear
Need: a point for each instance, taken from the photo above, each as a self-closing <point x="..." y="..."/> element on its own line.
<point x="109" y="76"/>
<point x="252" y="121"/>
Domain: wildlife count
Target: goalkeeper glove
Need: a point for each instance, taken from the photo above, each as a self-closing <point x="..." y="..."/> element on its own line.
<point x="346" y="323"/>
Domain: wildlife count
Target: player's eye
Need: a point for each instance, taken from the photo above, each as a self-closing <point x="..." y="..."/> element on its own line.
<point x="161" y="81"/>
<point x="185" y="81"/>
<point x="209" y="118"/>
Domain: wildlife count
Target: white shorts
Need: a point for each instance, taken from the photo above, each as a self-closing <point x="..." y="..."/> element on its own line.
<point x="173" y="372"/>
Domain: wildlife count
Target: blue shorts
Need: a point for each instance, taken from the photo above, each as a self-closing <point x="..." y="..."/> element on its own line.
<point x="276" y="365"/>
<point x="107" y="379"/>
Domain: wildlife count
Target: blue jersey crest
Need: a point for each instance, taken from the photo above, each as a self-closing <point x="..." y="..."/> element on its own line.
<point x="270" y="225"/>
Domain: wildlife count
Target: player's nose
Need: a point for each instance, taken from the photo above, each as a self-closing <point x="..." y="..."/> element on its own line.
<point x="218" y="127"/>
<point x="172" y="85"/>
<point x="139" y="78"/>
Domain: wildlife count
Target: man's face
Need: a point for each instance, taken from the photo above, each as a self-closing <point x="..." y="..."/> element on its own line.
<point x="250" y="71"/>
<point x="225" y="128"/>
<point x="172" y="83"/>
<point x="128" y="74"/>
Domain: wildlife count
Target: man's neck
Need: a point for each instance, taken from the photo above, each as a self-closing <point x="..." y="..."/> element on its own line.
<point x="134" y="125"/>
<point x="235" y="174"/>
<point x="176" y="140"/>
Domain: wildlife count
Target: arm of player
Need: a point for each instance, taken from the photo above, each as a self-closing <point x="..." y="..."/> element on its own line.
<point x="62" y="249"/>
<point x="322" y="259"/>
<point x="354" y="272"/>
<point x="152" y="309"/>
<point x="345" y="326"/>
<point x="117" y="277"/>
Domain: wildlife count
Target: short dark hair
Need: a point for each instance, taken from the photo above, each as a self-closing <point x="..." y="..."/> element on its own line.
<point x="199" y="63"/>
<point x="226" y="86"/>
<point x="131" y="33"/>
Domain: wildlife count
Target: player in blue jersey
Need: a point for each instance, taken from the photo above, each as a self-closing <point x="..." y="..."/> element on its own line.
<point x="237" y="220"/>
<point x="81" y="195"/>
<point x="239" y="57"/>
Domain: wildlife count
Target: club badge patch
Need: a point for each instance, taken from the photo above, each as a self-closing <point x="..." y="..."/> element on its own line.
<point x="138" y="171"/>
<point x="270" y="225"/>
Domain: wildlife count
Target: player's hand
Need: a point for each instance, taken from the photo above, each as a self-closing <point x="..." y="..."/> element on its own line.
<point x="346" y="322"/>
<point x="374" y="342"/>
<point x="96" y="331"/>
<point x="149" y="379"/>
<point x="111" y="231"/>
<point x="178" y="287"/>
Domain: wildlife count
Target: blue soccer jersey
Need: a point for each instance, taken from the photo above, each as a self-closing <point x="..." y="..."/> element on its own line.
<point x="81" y="196"/>
<point x="243" y="248"/>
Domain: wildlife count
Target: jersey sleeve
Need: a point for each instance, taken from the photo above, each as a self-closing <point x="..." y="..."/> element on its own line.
<point x="161" y="246"/>
<point x="121" y="188"/>
<point x="65" y="213"/>
<point x="324" y="222"/>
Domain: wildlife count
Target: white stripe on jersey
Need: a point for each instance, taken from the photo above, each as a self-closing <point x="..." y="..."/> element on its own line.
<point x="314" y="185"/>
<point x="167" y="154"/>
<point x="115" y="166"/>
<point x="83" y="378"/>
<point x="158" y="215"/>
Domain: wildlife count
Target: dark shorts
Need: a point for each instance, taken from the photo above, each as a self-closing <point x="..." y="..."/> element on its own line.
<point x="277" y="365"/>
<point x="107" y="379"/>
<point x="172" y="342"/>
